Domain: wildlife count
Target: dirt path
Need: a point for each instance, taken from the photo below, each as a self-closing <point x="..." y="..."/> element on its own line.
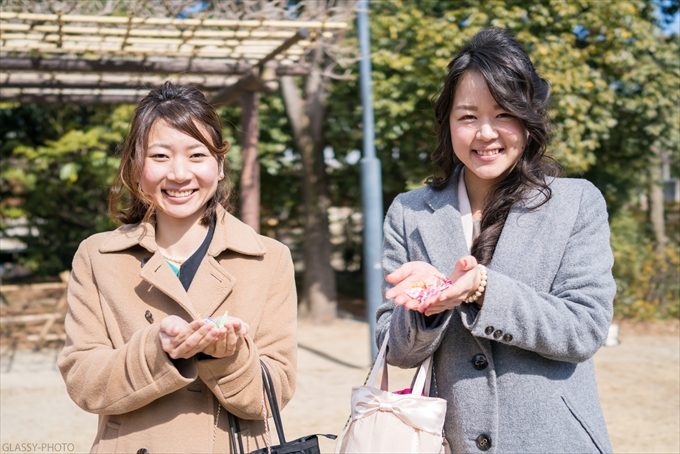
<point x="639" y="382"/>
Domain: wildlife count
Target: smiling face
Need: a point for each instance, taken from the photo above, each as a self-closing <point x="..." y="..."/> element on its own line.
<point x="486" y="138"/>
<point x="180" y="175"/>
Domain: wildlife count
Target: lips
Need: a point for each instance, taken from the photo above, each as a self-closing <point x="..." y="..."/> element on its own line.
<point x="177" y="193"/>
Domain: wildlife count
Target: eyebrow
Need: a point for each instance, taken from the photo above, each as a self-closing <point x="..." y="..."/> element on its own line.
<point x="166" y="145"/>
<point x="471" y="107"/>
<point x="464" y="107"/>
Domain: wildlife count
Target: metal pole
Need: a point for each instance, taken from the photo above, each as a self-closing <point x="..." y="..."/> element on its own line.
<point x="371" y="183"/>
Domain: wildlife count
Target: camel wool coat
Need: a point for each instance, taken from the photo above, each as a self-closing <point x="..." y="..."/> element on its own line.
<point x="113" y="363"/>
<point x="517" y="373"/>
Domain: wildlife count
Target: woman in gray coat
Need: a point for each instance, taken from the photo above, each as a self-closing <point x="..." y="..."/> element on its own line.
<point x="500" y="269"/>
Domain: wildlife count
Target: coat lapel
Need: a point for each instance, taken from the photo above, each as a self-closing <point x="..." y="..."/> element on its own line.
<point x="213" y="283"/>
<point x="211" y="286"/>
<point x="442" y="231"/>
<point x="157" y="273"/>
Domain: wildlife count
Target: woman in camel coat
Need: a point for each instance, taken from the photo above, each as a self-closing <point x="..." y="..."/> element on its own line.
<point x="140" y="352"/>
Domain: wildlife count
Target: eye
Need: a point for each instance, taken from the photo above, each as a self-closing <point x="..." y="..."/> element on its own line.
<point x="198" y="155"/>
<point x="505" y="115"/>
<point x="467" y="117"/>
<point x="158" y="156"/>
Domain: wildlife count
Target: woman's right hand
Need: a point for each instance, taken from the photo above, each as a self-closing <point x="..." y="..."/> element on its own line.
<point x="181" y="339"/>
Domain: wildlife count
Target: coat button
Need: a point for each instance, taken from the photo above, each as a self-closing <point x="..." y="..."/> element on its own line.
<point x="489" y="330"/>
<point x="483" y="442"/>
<point x="507" y="338"/>
<point x="497" y="334"/>
<point x="148" y="316"/>
<point x="142" y="451"/>
<point x="479" y="361"/>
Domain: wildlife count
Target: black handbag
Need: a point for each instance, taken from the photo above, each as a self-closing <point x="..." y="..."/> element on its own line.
<point x="308" y="444"/>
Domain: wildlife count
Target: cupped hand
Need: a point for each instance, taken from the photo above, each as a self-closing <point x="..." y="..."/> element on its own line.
<point x="235" y="330"/>
<point x="182" y="339"/>
<point x="464" y="279"/>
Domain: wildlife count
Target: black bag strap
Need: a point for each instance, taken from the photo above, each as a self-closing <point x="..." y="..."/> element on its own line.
<point x="273" y="403"/>
<point x="235" y="434"/>
<point x="269" y="390"/>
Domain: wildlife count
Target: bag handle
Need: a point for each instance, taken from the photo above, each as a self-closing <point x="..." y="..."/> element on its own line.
<point x="421" y="385"/>
<point x="234" y="426"/>
<point x="273" y="404"/>
<point x="379" y="364"/>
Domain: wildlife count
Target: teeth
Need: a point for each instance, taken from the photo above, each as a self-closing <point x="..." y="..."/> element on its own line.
<point x="179" y="193"/>
<point x="493" y="152"/>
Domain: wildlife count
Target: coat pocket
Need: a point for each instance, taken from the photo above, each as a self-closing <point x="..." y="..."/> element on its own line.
<point x="594" y="436"/>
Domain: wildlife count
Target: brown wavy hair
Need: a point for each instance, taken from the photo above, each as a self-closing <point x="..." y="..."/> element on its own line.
<point x="518" y="89"/>
<point x="182" y="107"/>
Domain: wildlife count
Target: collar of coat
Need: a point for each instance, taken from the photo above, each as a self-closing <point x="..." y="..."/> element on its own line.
<point x="230" y="234"/>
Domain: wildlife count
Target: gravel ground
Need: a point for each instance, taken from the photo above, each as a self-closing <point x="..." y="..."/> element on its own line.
<point x="639" y="383"/>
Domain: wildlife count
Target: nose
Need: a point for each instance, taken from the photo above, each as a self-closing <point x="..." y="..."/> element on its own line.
<point x="487" y="132"/>
<point x="178" y="171"/>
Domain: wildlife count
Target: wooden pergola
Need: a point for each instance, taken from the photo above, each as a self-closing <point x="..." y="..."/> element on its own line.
<point x="109" y="59"/>
<point x="56" y="57"/>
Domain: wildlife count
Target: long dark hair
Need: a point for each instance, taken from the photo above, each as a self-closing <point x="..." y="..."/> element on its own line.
<point x="518" y="89"/>
<point x="182" y="107"/>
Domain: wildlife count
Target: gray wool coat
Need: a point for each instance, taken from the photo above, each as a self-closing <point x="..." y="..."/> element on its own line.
<point x="517" y="373"/>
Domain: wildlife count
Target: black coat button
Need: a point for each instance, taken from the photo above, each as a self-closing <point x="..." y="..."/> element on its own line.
<point x="483" y="442"/>
<point x="489" y="330"/>
<point x="148" y="316"/>
<point x="142" y="451"/>
<point x="507" y="338"/>
<point x="479" y="361"/>
<point x="497" y="334"/>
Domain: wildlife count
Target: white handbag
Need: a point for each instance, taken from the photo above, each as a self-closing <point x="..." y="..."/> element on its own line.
<point x="387" y="422"/>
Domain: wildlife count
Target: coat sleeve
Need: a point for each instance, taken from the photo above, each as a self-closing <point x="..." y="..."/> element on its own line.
<point x="570" y="322"/>
<point x="103" y="379"/>
<point x="237" y="380"/>
<point x="413" y="337"/>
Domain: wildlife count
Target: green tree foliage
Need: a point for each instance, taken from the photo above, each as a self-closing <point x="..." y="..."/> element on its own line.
<point x="614" y="79"/>
<point x="607" y="63"/>
<point x="58" y="163"/>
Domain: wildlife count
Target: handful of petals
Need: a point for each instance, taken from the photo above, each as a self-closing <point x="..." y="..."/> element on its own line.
<point x="218" y="322"/>
<point x="421" y="291"/>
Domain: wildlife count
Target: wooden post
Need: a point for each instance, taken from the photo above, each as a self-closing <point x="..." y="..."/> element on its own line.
<point x="250" y="173"/>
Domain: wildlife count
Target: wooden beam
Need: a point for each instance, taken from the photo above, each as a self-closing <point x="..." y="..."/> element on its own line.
<point x="26" y="98"/>
<point x="102" y="85"/>
<point x="283" y="47"/>
<point x="146" y="66"/>
<point x="183" y="23"/>
<point x="232" y="93"/>
<point x="253" y="82"/>
<point x="249" y="183"/>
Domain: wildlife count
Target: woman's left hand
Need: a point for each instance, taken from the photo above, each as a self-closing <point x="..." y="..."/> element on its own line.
<point x="465" y="277"/>
<point x="234" y="330"/>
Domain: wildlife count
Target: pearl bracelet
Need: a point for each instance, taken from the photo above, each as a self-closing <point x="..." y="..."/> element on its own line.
<point x="482" y="285"/>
